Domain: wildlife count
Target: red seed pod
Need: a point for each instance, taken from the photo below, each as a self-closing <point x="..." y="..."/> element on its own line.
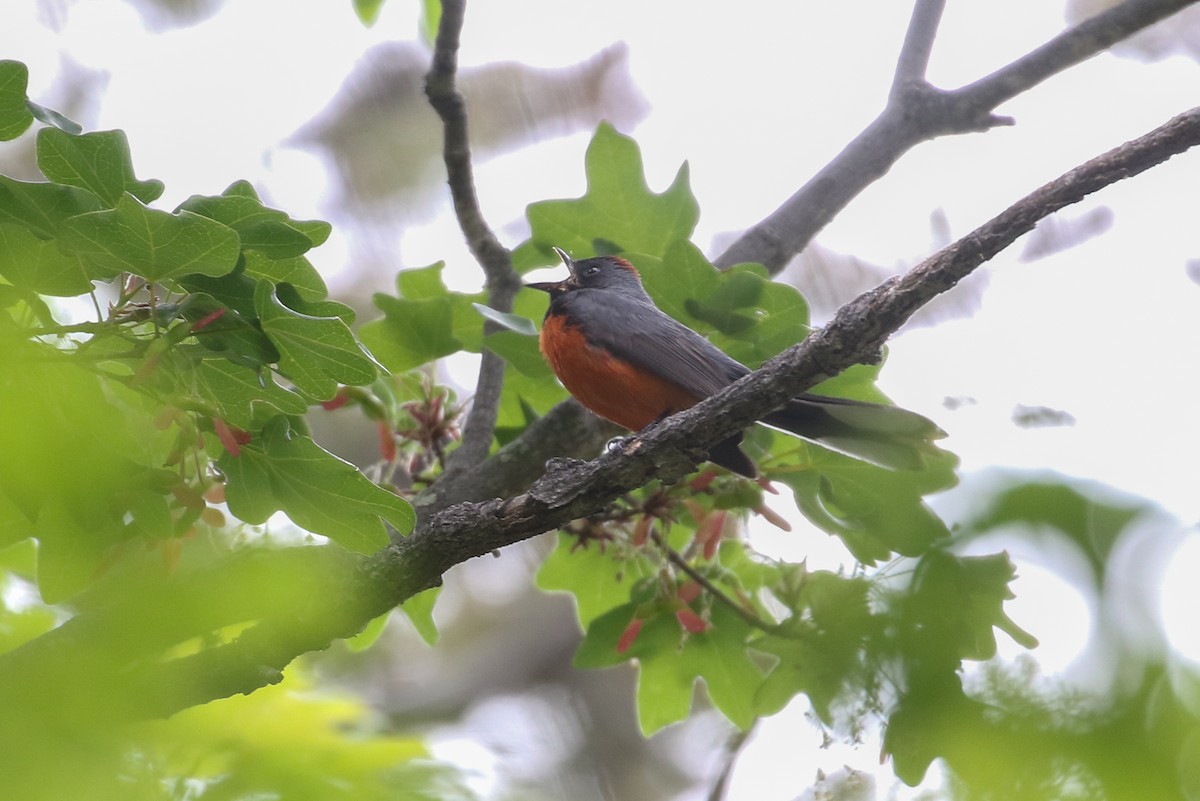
<point x="690" y="621"/>
<point x="387" y="442"/>
<point x="629" y="635"/>
<point x="688" y="591"/>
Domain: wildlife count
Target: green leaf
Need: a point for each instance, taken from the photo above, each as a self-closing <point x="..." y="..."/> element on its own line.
<point x="425" y="322"/>
<point x="236" y="390"/>
<point x="15" y="115"/>
<point x="671" y="662"/>
<point x="268" y="231"/>
<point x="153" y="244"/>
<point x="52" y="117"/>
<point x="316" y="353"/>
<point x="431" y="18"/>
<point x="419" y="611"/>
<point x="521" y="351"/>
<point x="876" y="512"/>
<point x="281" y="470"/>
<point x="39" y="265"/>
<point x="598" y="582"/>
<point x="512" y="322"/>
<point x="742" y="312"/>
<point x="98" y="161"/>
<point x="619" y="212"/>
<point x="42" y="207"/>
<point x="959" y="601"/>
<point x="296" y="271"/>
<point x="236" y="335"/>
<point x="368" y="11"/>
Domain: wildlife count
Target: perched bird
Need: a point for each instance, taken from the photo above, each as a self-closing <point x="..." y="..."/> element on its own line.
<point x="630" y="363"/>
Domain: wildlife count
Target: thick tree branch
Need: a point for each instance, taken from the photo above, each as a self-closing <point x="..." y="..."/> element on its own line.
<point x="502" y="281"/>
<point x="917" y="112"/>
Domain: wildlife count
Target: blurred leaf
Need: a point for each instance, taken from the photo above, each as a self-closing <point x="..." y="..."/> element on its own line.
<point x="368" y="11"/>
<point x="287" y="741"/>
<point x="959" y="600"/>
<point x="39" y="265"/>
<point x="1091" y="518"/>
<point x="153" y="244"/>
<point x="316" y="353"/>
<point x="419" y="611"/>
<point x="98" y="161"/>
<point x="369" y="635"/>
<point x="281" y="470"/>
<point x="823" y="646"/>
<point x="431" y="19"/>
<point x="619" y="209"/>
<point x="15" y="116"/>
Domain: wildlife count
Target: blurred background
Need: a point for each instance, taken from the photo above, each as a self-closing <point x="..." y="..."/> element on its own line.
<point x="1073" y="354"/>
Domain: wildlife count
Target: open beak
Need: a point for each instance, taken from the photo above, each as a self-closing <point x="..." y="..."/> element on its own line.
<point x="556" y="288"/>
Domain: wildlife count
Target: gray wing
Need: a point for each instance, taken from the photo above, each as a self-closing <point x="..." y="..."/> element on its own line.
<point x="639" y="332"/>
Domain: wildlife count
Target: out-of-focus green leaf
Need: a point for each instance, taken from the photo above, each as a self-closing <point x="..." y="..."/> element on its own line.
<point x="98" y="162"/>
<point x="39" y="265"/>
<point x="368" y="11"/>
<point x="960" y="601"/>
<point x="153" y="244"/>
<point x="316" y="353"/>
<point x="419" y="611"/>
<point x="431" y="19"/>
<point x="15" y="116"/>
<point x="619" y="212"/>
<point x="281" y="470"/>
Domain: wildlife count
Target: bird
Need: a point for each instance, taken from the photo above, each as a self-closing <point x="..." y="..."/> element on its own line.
<point x="629" y="362"/>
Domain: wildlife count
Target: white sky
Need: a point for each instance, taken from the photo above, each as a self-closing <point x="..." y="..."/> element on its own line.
<point x="756" y="97"/>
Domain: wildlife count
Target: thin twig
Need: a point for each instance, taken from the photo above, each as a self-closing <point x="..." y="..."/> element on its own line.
<point x="676" y="558"/>
<point x="502" y="281"/>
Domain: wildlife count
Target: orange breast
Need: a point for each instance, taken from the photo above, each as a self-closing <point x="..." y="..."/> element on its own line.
<point x="613" y="389"/>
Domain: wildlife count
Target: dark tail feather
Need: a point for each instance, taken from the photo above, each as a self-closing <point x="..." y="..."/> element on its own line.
<point x="887" y="436"/>
<point x="727" y="454"/>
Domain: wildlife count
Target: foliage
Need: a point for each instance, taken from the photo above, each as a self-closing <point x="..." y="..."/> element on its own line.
<point x="173" y="423"/>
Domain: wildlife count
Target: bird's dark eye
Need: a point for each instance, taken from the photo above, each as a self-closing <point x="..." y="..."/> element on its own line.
<point x="595" y="268"/>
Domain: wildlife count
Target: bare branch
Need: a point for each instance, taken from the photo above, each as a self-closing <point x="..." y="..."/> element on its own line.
<point x="917" y="112"/>
<point x="918" y="43"/>
<point x="502" y="281"/>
